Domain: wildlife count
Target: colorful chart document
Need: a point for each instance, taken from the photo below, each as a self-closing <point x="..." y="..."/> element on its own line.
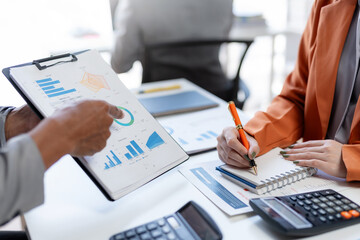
<point x="197" y="131"/>
<point x="138" y="150"/>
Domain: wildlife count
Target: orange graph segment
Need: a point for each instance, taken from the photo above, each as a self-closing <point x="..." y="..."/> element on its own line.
<point x="94" y="82"/>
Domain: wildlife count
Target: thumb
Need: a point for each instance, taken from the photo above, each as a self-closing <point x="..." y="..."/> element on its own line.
<point x="115" y="112"/>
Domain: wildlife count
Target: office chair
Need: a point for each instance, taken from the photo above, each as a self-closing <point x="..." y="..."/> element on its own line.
<point x="228" y="91"/>
<point x="13" y="235"/>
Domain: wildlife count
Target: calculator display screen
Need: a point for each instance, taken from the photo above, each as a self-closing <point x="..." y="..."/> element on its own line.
<point x="290" y="216"/>
<point x="198" y="223"/>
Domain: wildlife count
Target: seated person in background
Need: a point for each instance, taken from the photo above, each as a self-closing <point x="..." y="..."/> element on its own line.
<point x="30" y="146"/>
<point x="319" y="101"/>
<point x="142" y="22"/>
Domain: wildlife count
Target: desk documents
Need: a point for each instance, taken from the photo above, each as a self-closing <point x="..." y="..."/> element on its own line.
<point x="194" y="131"/>
<point x="197" y="131"/>
<point x="138" y="150"/>
<point x="234" y="199"/>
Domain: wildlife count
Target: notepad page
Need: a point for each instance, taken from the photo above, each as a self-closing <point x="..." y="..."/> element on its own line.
<point x="269" y="165"/>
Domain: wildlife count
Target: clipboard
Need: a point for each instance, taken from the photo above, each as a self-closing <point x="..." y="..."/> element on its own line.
<point x="37" y="63"/>
<point x="133" y="149"/>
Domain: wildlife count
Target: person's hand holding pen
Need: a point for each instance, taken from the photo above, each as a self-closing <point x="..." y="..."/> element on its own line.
<point x="235" y="146"/>
<point x="232" y="151"/>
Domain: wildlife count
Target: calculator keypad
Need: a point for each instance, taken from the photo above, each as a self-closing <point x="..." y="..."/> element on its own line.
<point x="158" y="230"/>
<point x="323" y="206"/>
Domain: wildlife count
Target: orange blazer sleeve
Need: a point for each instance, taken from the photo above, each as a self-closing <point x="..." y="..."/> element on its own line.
<point x="351" y="151"/>
<point x="283" y="122"/>
<point x="351" y="158"/>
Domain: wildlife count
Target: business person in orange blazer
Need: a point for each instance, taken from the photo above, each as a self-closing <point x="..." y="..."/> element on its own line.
<point x="319" y="101"/>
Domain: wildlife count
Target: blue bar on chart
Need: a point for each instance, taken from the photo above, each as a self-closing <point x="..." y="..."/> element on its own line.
<point x="106" y="166"/>
<point x="117" y="160"/>
<point x="132" y="151"/>
<point x="154" y="141"/>
<point x="213" y="133"/>
<point x="136" y="146"/>
<point x="48" y="83"/>
<point x="217" y="188"/>
<point x="205" y="135"/>
<point x="111" y="163"/>
<point x="54" y="90"/>
<point x="48" y="86"/>
<point x="169" y="130"/>
<point x="182" y="141"/>
<point x="44" y="80"/>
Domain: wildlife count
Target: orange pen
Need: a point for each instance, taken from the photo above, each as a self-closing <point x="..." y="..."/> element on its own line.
<point x="239" y="127"/>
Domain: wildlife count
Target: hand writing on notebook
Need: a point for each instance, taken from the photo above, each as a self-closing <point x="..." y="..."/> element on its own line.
<point x="231" y="151"/>
<point x="322" y="154"/>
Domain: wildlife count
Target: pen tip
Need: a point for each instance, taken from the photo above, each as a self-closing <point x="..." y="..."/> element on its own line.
<point x="255" y="170"/>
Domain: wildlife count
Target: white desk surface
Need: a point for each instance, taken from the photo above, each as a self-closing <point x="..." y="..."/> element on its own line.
<point x="75" y="209"/>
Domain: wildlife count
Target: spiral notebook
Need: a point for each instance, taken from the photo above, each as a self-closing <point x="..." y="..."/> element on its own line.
<point x="273" y="172"/>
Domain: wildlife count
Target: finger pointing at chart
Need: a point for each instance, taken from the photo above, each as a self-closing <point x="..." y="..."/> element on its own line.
<point x="116" y="112"/>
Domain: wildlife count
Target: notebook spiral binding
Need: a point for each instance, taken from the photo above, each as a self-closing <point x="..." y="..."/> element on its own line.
<point x="285" y="179"/>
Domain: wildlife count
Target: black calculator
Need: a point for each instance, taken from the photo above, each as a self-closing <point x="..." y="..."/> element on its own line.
<point x="308" y="213"/>
<point x="190" y="222"/>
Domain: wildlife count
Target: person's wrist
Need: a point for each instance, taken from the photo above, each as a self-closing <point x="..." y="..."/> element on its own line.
<point x="9" y="125"/>
<point x="19" y="120"/>
<point x="52" y="138"/>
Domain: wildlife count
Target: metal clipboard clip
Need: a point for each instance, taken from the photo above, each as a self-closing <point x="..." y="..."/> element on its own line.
<point x="38" y="62"/>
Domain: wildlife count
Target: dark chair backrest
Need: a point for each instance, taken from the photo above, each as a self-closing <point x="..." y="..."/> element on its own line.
<point x="227" y="92"/>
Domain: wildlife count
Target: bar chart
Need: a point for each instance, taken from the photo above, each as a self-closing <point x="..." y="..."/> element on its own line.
<point x="134" y="150"/>
<point x="207" y="135"/>
<point x="51" y="89"/>
<point x="179" y="140"/>
<point x="182" y="141"/>
<point x="113" y="161"/>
